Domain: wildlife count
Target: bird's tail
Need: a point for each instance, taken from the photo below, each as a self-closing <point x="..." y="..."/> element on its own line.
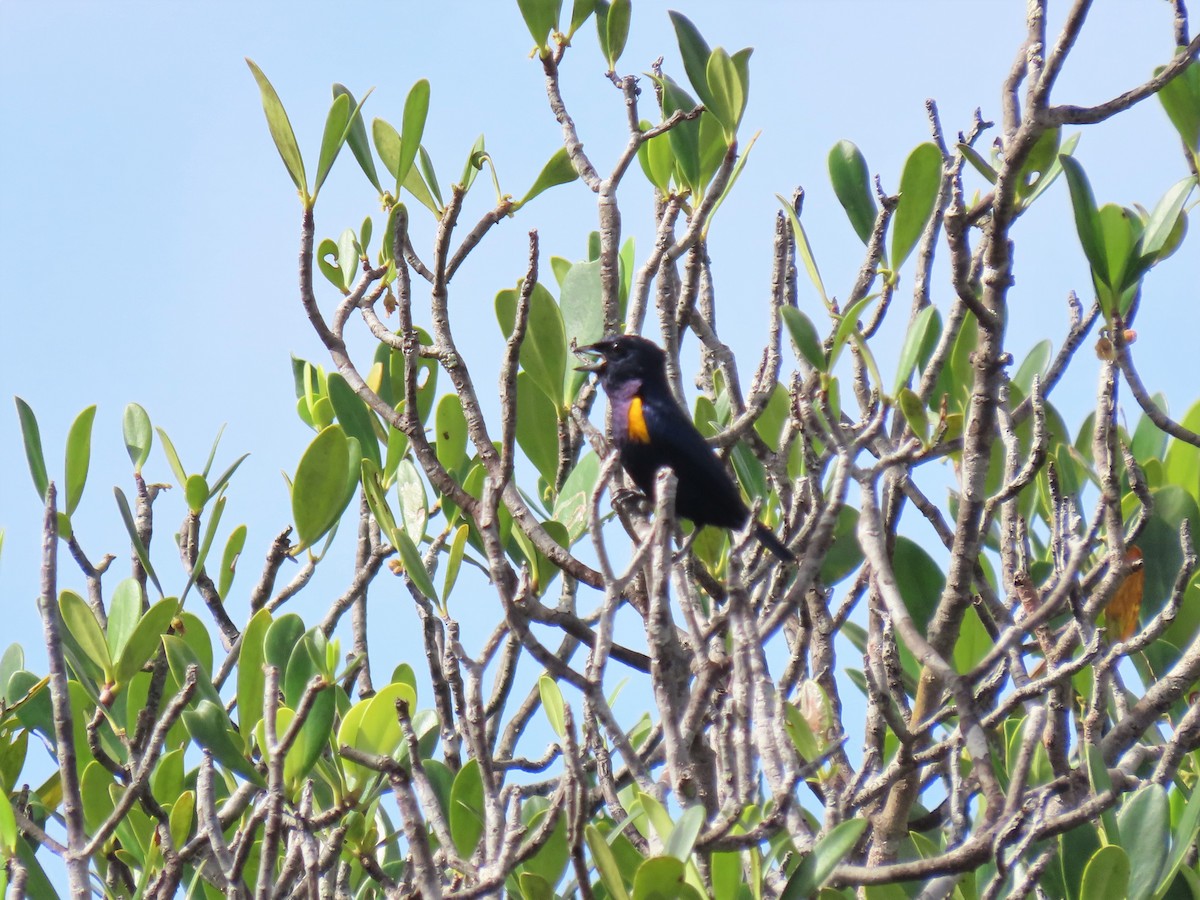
<point x="767" y="538"/>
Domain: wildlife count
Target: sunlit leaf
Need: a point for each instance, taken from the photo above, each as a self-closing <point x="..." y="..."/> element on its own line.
<point x="281" y="131"/>
<point x="804" y="336"/>
<point x="357" y="139"/>
<point x="616" y="28"/>
<point x="32" y="438"/>
<point x="819" y="864"/>
<point x="319" y="488"/>
<point x="416" y="111"/>
<point x="139" y="436"/>
<point x="695" y="52"/>
<point x="852" y="184"/>
<point x="919" y="183"/>
<point x="558" y="170"/>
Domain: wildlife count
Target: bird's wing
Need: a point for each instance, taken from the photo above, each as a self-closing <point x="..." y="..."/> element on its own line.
<point x="706" y="492"/>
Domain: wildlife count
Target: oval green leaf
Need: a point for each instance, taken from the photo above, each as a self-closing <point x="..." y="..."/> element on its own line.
<point x="139" y="436"/>
<point x="852" y="184"/>
<point x="319" y="488"/>
<point x="919" y="183"/>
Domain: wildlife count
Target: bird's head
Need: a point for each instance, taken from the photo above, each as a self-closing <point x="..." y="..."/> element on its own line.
<point x="622" y="359"/>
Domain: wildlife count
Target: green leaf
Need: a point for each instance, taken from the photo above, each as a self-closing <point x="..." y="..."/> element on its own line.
<point x="139" y="436"/>
<point x="685" y="136"/>
<point x="923" y="332"/>
<point x="139" y="548"/>
<point x="713" y="147"/>
<point x="357" y="139"/>
<point x="725" y="86"/>
<point x="1087" y="216"/>
<point x="971" y="155"/>
<point x="354" y="416"/>
<point x="801" y="733"/>
<point x="1040" y="162"/>
<point x="416" y="186"/>
<point x="280" y="641"/>
<point x="466" y="808"/>
<point x="581" y="10"/>
<point x="450" y="426"/>
<point x="337" y="124"/>
<point x="573" y="504"/>
<point x="919" y="184"/>
<point x="8" y="826"/>
<point x="847" y="326"/>
<point x="124" y="612"/>
<point x="251" y="680"/>
<point x="319" y="488"/>
<point x="1101" y="783"/>
<point x="78" y="457"/>
<point x="541" y="18"/>
<point x="580" y="301"/>
<point x="919" y="578"/>
<point x="414" y="505"/>
<point x="458" y="546"/>
<point x="1117" y="229"/>
<point x="818" y="865"/>
<point x="32" y="437"/>
<point x="474" y="164"/>
<point x="805" y="337"/>
<point x="558" y="170"/>
<point x="210" y="728"/>
<point x="377" y="498"/>
<point x="387" y="145"/>
<point x="233" y="550"/>
<point x="552" y="703"/>
<point x="1107" y="875"/>
<point x="654" y="155"/>
<point x="1053" y="170"/>
<point x="223" y="479"/>
<point x="180" y="655"/>
<point x="544" y="351"/>
<point x="913" y="409"/>
<point x="1145" y="823"/>
<point x="852" y="184"/>
<point x="1181" y="840"/>
<point x="281" y="131"/>
<point x="81" y="622"/>
<point x="172" y="458"/>
<point x="416" y="111"/>
<point x="684" y="834"/>
<point x="616" y="29"/>
<point x="605" y="862"/>
<point x="535" y="887"/>
<point x="695" y="52"/>
<point x="661" y="877"/>
<point x="804" y="249"/>
<point x="425" y="165"/>
<point x="327" y="254"/>
<point x="1165" y="217"/>
<point x="348" y="253"/>
<point x="537" y="427"/>
<point x="1035" y="364"/>
<point x="414" y="566"/>
<point x="196" y="492"/>
<point x="145" y="640"/>
<point x="1180" y="98"/>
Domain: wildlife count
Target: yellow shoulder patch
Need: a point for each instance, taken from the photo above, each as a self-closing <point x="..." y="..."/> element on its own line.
<point x="636" y="424"/>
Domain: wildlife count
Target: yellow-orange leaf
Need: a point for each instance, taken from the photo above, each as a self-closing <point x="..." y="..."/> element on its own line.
<point x="1123" y="609"/>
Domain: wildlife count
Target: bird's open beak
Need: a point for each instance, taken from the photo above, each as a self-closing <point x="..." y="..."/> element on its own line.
<point x="592" y="365"/>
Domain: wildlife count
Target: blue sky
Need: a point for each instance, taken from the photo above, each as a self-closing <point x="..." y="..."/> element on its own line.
<point x="152" y="232"/>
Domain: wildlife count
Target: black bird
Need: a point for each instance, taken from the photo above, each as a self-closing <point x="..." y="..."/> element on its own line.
<point x="651" y="431"/>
